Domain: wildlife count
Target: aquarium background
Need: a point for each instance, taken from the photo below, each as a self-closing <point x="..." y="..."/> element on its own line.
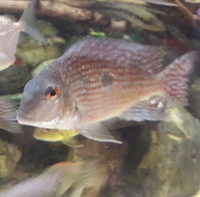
<point x="156" y="159"/>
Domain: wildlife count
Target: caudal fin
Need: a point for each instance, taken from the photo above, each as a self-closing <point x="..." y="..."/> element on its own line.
<point x="8" y="117"/>
<point x="175" y="78"/>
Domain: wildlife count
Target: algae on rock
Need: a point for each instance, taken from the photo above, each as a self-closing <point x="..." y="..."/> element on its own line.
<point x="9" y="157"/>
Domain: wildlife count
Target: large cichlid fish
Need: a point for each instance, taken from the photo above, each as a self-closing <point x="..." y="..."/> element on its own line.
<point x="99" y="79"/>
<point x="10" y="31"/>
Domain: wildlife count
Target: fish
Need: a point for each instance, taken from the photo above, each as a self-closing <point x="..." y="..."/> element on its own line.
<point x="98" y="79"/>
<point x="62" y="179"/>
<point x="10" y="32"/>
<point x="53" y="135"/>
<point x="8" y="113"/>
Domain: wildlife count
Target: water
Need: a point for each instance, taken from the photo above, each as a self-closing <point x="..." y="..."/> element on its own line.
<point x="156" y="159"/>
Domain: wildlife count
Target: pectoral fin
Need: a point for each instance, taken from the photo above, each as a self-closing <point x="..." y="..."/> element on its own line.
<point x="99" y="133"/>
<point x="152" y="109"/>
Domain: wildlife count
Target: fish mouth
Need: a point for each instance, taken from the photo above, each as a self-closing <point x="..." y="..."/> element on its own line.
<point x="27" y="120"/>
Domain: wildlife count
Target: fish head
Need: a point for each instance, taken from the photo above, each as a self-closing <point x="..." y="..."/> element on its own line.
<point x="43" y="104"/>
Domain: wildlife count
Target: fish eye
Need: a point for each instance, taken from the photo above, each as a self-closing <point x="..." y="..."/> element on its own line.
<point x="52" y="92"/>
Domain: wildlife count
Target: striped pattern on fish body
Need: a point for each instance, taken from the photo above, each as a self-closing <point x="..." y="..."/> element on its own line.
<point x="113" y="78"/>
<point x="99" y="79"/>
<point x="107" y="87"/>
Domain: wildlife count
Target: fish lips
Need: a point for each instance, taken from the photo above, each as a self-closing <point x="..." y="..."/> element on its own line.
<point x="27" y="120"/>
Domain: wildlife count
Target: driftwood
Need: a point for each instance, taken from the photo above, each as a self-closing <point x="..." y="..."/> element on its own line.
<point x="60" y="9"/>
<point x="50" y="8"/>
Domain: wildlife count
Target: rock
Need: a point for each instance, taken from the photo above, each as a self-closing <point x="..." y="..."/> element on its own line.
<point x="34" y="53"/>
<point x="13" y="79"/>
<point x="172" y="165"/>
<point x="194" y="98"/>
<point x="46" y="27"/>
<point x="9" y="157"/>
<point x="163" y="160"/>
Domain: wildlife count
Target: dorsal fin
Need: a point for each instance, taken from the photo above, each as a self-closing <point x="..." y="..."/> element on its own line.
<point x="147" y="58"/>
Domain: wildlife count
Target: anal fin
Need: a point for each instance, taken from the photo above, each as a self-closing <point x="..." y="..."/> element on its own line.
<point x="152" y="109"/>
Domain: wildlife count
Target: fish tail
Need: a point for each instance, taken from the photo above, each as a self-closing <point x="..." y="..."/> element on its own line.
<point x="12" y="126"/>
<point x="175" y="78"/>
<point x="8" y="117"/>
<point x="30" y="24"/>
